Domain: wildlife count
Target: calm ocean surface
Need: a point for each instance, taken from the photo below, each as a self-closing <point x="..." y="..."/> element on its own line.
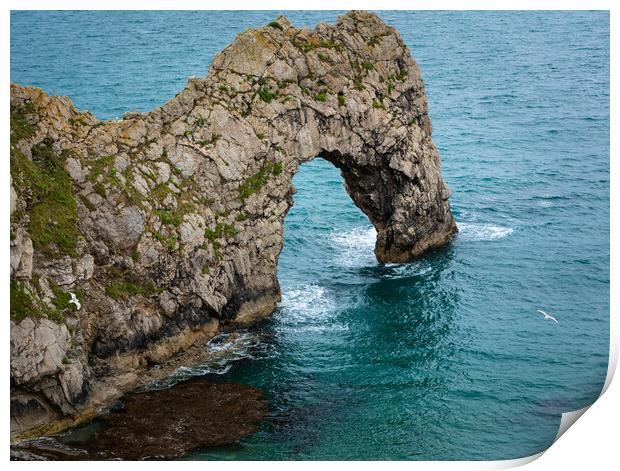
<point x="446" y="357"/>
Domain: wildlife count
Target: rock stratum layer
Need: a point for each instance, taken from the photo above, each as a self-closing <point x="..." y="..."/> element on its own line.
<point x="167" y="225"/>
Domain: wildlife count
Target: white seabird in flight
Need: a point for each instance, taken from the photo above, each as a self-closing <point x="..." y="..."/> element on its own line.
<point x="547" y="316"/>
<point x="75" y="301"/>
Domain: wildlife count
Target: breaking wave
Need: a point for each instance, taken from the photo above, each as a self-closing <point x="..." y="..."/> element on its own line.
<point x="355" y="247"/>
<point x="308" y="308"/>
<point x="223" y="351"/>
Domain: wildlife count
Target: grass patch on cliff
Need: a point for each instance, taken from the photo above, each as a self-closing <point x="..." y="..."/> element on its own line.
<point x="322" y="96"/>
<point x="62" y="298"/>
<point x="220" y="230"/>
<point x="378" y="104"/>
<point x="266" y="95"/>
<point x="99" y="166"/>
<point x="368" y="66"/>
<point x="170" y="242"/>
<point x="48" y="190"/>
<point x="20" y="127"/>
<point x="25" y="303"/>
<point x="254" y="183"/>
<point x="22" y="304"/>
<point x="125" y="285"/>
<point x="171" y="218"/>
<point x="105" y="176"/>
<point x="358" y="85"/>
<point x="401" y="76"/>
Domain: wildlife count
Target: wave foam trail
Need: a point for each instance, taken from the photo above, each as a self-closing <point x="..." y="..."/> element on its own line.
<point x="308" y="308"/>
<point x="407" y="270"/>
<point x="222" y="350"/>
<point x="356" y="246"/>
<point x="307" y="301"/>
<point x="479" y="231"/>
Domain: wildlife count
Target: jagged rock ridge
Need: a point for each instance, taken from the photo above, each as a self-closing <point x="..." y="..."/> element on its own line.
<point x="168" y="224"/>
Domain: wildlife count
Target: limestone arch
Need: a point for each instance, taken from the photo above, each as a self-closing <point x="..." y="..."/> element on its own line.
<point x="221" y="156"/>
<point x="178" y="213"/>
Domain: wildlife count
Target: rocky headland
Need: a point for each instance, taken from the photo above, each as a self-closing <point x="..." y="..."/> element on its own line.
<point x="166" y="226"/>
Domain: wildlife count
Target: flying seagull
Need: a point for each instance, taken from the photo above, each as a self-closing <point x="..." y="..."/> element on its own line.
<point x="547" y="316"/>
<point x="75" y="301"/>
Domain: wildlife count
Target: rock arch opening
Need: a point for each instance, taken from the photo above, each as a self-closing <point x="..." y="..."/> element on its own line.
<point x="324" y="228"/>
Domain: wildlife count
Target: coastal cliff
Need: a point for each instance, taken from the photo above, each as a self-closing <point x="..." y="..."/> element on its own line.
<point x="167" y="225"/>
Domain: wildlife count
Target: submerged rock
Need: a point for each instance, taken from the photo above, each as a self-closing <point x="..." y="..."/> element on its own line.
<point x="172" y="422"/>
<point x="160" y="424"/>
<point x="168" y="225"/>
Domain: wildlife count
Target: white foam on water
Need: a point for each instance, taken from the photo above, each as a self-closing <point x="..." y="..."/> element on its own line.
<point x="308" y="308"/>
<point x="479" y="231"/>
<point x="222" y="351"/>
<point x="407" y="270"/>
<point x="355" y="247"/>
<point x="307" y="302"/>
<point x="320" y="328"/>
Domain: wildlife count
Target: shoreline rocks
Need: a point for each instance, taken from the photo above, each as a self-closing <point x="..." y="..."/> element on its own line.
<point x="167" y="225"/>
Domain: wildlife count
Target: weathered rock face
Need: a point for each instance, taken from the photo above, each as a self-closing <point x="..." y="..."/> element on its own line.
<point x="167" y="225"/>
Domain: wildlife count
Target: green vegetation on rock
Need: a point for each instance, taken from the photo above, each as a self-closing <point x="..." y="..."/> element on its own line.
<point x="259" y="179"/>
<point x="47" y="187"/>
<point x="104" y="176"/>
<point x="168" y="217"/>
<point x="322" y="96"/>
<point x="22" y="304"/>
<point x="220" y="230"/>
<point x="20" y="127"/>
<point x="125" y="285"/>
<point x="26" y="303"/>
<point x="368" y="66"/>
<point x="169" y="242"/>
<point x="62" y="298"/>
<point x="266" y="95"/>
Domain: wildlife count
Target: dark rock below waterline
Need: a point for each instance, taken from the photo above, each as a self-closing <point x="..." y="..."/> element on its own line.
<point x="171" y="422"/>
<point x="163" y="424"/>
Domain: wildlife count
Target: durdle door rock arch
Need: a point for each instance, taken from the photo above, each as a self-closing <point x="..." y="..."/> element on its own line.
<point x="168" y="224"/>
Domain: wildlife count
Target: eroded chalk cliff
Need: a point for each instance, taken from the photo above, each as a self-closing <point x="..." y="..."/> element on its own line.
<point x="167" y="225"/>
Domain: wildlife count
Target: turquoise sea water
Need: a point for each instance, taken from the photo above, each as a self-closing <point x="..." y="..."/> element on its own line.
<point x="445" y="357"/>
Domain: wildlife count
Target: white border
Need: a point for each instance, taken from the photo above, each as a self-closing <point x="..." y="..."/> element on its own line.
<point x="592" y="443"/>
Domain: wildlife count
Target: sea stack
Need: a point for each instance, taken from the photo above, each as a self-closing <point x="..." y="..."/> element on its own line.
<point x="167" y="225"/>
